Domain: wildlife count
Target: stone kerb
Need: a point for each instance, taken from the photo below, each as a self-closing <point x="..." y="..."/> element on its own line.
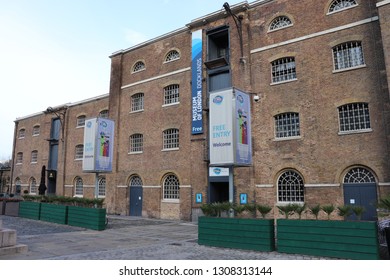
<point x="8" y="242"/>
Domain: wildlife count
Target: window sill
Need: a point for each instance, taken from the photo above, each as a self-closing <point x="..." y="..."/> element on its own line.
<point x="135" y="153"/>
<point x="283" y="82"/>
<point x="171" y="104"/>
<point x="136" y="111"/>
<point x="341" y="133"/>
<point x="284" y="203"/>
<point x="78" y="159"/>
<point x="287" y="138"/>
<point x="175" y="201"/>
<point x="170" y="150"/>
<point x="349" y="69"/>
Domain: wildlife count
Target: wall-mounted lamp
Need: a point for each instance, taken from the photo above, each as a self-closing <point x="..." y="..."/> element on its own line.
<point x="238" y="22"/>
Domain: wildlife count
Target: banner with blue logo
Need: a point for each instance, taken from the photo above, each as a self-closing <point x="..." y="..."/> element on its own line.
<point x="243" y="128"/>
<point x="197" y="86"/>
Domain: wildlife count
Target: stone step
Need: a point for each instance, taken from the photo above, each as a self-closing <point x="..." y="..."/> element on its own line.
<point x="16" y="249"/>
<point x="7" y="237"/>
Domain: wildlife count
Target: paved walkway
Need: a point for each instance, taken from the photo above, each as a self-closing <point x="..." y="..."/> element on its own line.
<point x="126" y="238"/>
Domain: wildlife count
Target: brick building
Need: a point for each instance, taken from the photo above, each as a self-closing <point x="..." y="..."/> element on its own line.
<point x="318" y="82"/>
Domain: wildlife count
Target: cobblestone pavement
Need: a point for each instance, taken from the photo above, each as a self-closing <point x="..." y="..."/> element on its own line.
<point x="126" y="238"/>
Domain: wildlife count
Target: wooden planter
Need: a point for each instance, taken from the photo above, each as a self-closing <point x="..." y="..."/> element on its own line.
<point x="54" y="213"/>
<point x="92" y="218"/>
<point x="30" y="210"/>
<point x="338" y="239"/>
<point x="247" y="234"/>
<point x="11" y="208"/>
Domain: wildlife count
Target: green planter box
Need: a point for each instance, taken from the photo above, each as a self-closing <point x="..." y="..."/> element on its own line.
<point x="30" y="210"/>
<point x="54" y="213"/>
<point x="338" y="239"/>
<point x="11" y="208"/>
<point x="92" y="218"/>
<point x="247" y="234"/>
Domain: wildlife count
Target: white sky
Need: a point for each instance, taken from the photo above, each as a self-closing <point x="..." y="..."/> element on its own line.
<point x="55" y="52"/>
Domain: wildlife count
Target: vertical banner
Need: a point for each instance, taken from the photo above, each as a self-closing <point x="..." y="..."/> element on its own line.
<point x="243" y="128"/>
<point x="197" y="86"/>
<point x="98" y="145"/>
<point x="221" y="128"/>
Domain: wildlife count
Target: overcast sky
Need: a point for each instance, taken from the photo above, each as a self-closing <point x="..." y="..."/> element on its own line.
<point x="55" y="52"/>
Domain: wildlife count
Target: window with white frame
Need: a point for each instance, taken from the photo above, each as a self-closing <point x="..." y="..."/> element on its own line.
<point x="78" y="186"/>
<point x="34" y="156"/>
<point x="36" y="130"/>
<point x="279" y="23"/>
<point x="136" y="143"/>
<point x="171" y="187"/>
<point x="283" y="70"/>
<point x="171" y="94"/>
<point x="22" y="133"/>
<point x="359" y="175"/>
<point x="138" y="66"/>
<point x="354" y="117"/>
<point x="287" y="125"/>
<point x="171" y="139"/>
<point x="290" y="187"/>
<point x="33" y="186"/>
<point x="102" y="186"/>
<point x="79" y="152"/>
<point x="172" y="55"/>
<point x="19" y="158"/>
<point x="339" y="5"/>
<point x="103" y="114"/>
<point x="348" y="55"/>
<point x="137" y="102"/>
<point x="135" y="181"/>
<point x="81" y="121"/>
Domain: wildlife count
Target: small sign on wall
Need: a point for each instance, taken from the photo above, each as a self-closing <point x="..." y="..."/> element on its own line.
<point x="198" y="198"/>
<point x="243" y="198"/>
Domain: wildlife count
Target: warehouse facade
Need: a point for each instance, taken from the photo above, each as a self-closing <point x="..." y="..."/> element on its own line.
<point x="319" y="118"/>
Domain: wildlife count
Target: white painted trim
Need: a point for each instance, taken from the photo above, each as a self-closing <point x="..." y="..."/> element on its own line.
<point x="69" y="186"/>
<point x="157" y="77"/>
<point x="332" y="30"/>
<point x="88" y="186"/>
<point x="321" y="185"/>
<point x="385" y="184"/>
<point x="122" y="187"/>
<point x="185" y="186"/>
<point x="151" y="187"/>
<point x="264" y="186"/>
<point x="385" y="2"/>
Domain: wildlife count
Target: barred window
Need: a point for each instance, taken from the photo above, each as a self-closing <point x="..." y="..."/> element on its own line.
<point x="33" y="186"/>
<point x="34" y="156"/>
<point x="78" y="186"/>
<point x="338" y="5"/>
<point x="287" y="125"/>
<point x="79" y="152"/>
<point x="103" y="114"/>
<point x="172" y="55"/>
<point x="138" y="66"/>
<point x="36" y="130"/>
<point x="136" y="143"/>
<point x="19" y="158"/>
<point x="135" y="181"/>
<point x="354" y="117"/>
<point x="283" y="70"/>
<point x="171" y="94"/>
<point x="81" y="121"/>
<point x="290" y="187"/>
<point x="279" y="23"/>
<point x="102" y="186"/>
<point x="137" y="102"/>
<point x="22" y="133"/>
<point x="359" y="175"/>
<point x="171" y="139"/>
<point x="171" y="187"/>
<point x="348" y="55"/>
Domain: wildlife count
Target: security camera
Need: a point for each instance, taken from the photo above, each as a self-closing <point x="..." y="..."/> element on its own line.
<point x="256" y="98"/>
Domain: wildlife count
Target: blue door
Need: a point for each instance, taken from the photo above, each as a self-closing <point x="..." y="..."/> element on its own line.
<point x="136" y="201"/>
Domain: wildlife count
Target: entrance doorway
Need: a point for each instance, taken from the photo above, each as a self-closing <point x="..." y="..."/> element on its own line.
<point x="219" y="192"/>
<point x="360" y="190"/>
<point x="136" y="196"/>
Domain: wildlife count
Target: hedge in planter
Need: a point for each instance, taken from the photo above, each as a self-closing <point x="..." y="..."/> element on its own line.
<point x="338" y="239"/>
<point x="237" y="233"/>
<point x="30" y="210"/>
<point x="54" y="213"/>
<point x="92" y="218"/>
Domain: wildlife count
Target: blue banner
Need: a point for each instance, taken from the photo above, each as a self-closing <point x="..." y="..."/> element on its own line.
<point x="197" y="83"/>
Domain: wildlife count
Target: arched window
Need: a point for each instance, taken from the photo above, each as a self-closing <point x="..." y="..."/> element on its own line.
<point x="339" y="5"/>
<point x="137" y="102"/>
<point x="348" y="55"/>
<point x="36" y="130"/>
<point x="279" y="23"/>
<point x="171" y="94"/>
<point x="172" y="55"/>
<point x="138" y="66"/>
<point x="283" y="70"/>
<point x="34" y="156"/>
<point x="19" y="158"/>
<point x="81" y="121"/>
<point x="359" y="175"/>
<point x="22" y="133"/>
<point x="171" y="187"/>
<point x="79" y="152"/>
<point x="354" y="117"/>
<point x="33" y="185"/>
<point x="78" y="186"/>
<point x="102" y="186"/>
<point x="135" y="181"/>
<point x="103" y="114"/>
<point x="287" y="125"/>
<point x="290" y="187"/>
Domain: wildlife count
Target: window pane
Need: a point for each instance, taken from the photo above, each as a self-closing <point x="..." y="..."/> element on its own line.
<point x="283" y="70"/>
<point x="354" y="117"/>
